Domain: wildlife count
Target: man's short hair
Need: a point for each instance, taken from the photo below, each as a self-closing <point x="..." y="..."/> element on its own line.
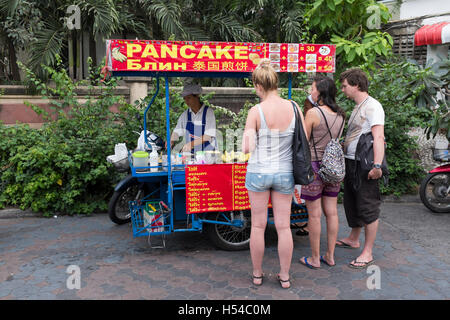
<point x="356" y="77"/>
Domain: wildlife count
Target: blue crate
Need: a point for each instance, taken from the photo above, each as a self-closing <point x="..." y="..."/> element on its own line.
<point x="148" y="218"/>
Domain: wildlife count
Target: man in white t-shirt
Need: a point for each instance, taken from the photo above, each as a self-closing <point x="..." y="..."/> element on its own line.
<point x="362" y="206"/>
<point x="197" y="124"/>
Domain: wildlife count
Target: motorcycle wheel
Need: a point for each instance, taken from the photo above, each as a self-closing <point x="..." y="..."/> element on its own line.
<point x="118" y="209"/>
<point x="434" y="192"/>
<point x="229" y="238"/>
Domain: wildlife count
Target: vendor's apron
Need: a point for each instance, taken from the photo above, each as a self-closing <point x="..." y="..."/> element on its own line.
<point x="191" y="129"/>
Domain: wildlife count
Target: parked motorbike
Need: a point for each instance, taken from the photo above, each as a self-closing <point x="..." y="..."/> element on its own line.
<point x="435" y="187"/>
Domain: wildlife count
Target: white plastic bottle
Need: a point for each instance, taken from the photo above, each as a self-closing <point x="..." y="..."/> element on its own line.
<point x="154" y="159"/>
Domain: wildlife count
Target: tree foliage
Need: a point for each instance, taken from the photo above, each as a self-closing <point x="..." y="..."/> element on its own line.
<point x="353" y="25"/>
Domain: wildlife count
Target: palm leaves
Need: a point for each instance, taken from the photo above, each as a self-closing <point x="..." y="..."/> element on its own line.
<point x="48" y="44"/>
<point x="167" y="15"/>
<point x="102" y="14"/>
<point x="214" y="20"/>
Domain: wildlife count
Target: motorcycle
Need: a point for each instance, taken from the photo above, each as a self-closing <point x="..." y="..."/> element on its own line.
<point x="129" y="188"/>
<point x="435" y="187"/>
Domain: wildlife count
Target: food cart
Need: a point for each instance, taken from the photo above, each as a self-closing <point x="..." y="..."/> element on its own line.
<point x="211" y="196"/>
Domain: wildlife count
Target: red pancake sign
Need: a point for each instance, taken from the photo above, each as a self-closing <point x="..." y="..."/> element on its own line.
<point x="208" y="56"/>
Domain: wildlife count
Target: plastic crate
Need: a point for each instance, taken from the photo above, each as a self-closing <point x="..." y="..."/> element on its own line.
<point x="149" y="218"/>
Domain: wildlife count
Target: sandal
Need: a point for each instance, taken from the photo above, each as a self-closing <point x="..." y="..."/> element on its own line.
<point x="301" y="231"/>
<point x="343" y="244"/>
<point x="363" y="264"/>
<point x="257" y="278"/>
<point x="322" y="259"/>
<point x="283" y="281"/>
<point x="298" y="225"/>
<point x="306" y="263"/>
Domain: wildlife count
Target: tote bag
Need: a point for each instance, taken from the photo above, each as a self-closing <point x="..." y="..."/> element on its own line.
<point x="303" y="172"/>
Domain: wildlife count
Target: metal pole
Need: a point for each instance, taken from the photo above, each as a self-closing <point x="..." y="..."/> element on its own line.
<point x="169" y="166"/>
<point x="290" y="85"/>
<point x="146" y="110"/>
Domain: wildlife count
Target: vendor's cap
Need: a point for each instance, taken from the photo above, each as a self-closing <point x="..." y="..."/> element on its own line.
<point x="189" y="89"/>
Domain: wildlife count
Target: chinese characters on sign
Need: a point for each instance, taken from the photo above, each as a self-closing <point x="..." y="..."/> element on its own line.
<point x="146" y="55"/>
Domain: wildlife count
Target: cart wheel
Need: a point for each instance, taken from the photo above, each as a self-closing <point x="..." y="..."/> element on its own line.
<point x="227" y="237"/>
<point x="118" y="209"/>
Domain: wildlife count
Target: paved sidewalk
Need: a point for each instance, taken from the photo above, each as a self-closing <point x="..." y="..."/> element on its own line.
<point x="35" y="254"/>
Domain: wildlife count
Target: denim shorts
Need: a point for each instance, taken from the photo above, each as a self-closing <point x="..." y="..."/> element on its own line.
<point x="280" y="182"/>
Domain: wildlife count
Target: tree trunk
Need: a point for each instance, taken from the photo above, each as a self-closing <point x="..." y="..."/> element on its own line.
<point x="93" y="50"/>
<point x="70" y="49"/>
<point x="14" y="68"/>
<point x="79" y="55"/>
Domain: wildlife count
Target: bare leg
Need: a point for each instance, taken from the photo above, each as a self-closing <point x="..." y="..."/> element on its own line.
<point x="370" y="235"/>
<point x="330" y="210"/>
<point x="314" y="213"/>
<point x="281" y="211"/>
<point x="258" y="203"/>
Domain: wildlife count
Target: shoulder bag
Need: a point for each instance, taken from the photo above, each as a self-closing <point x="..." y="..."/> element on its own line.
<point x="303" y="172"/>
<point x="364" y="159"/>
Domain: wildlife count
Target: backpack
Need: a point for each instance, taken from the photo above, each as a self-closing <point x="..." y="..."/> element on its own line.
<point x="332" y="167"/>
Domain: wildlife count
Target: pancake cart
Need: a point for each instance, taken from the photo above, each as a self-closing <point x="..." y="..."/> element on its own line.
<point x="174" y="202"/>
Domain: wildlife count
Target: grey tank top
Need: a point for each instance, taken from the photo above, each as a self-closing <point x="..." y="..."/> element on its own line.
<point x="273" y="151"/>
<point x="321" y="135"/>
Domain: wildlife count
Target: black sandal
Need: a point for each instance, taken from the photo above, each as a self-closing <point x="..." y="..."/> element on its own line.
<point x="283" y="281"/>
<point x="257" y="278"/>
<point x="301" y="231"/>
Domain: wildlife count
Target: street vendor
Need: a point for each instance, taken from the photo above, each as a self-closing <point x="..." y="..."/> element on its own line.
<point x="197" y="124"/>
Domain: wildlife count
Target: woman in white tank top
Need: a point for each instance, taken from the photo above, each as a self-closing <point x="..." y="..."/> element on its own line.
<point x="268" y="136"/>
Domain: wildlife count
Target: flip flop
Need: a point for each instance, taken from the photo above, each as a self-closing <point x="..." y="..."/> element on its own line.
<point x="302" y="232"/>
<point x="343" y="244"/>
<point x="257" y="278"/>
<point x="326" y="262"/>
<point x="364" y="264"/>
<point x="297" y="226"/>
<point x="306" y="264"/>
<point x="283" y="281"/>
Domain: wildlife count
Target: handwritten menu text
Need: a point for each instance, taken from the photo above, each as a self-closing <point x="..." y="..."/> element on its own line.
<point x="216" y="187"/>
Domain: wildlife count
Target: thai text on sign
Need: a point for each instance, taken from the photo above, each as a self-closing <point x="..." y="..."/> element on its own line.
<point x="204" y="56"/>
<point x="216" y="187"/>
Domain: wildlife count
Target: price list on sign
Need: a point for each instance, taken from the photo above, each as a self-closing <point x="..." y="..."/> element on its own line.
<point x="239" y="192"/>
<point x="216" y="187"/>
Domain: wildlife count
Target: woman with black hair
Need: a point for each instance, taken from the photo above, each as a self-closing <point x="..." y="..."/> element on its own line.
<point x="326" y="114"/>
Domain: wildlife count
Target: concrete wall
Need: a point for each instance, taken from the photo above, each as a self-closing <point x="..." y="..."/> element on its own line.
<point x="13" y="108"/>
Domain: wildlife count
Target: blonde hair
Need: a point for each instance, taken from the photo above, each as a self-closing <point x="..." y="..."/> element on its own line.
<point x="265" y="75"/>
